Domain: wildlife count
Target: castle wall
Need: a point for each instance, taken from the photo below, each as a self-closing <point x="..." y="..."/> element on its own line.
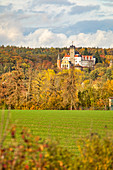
<point x="87" y="63"/>
<point x="77" y="60"/>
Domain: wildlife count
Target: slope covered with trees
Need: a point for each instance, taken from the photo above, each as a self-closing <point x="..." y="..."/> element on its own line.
<point x="29" y="79"/>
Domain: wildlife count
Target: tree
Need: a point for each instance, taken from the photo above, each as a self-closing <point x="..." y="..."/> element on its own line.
<point x="70" y="86"/>
<point x="86" y="52"/>
<point x="46" y="90"/>
<point x="84" y="98"/>
<point x="13" y="91"/>
<point x="94" y="74"/>
<point x="98" y="58"/>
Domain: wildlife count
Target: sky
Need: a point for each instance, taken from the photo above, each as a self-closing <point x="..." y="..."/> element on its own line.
<point x="56" y="23"/>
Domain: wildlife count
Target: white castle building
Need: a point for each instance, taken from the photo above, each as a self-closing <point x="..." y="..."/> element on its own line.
<point x="76" y="60"/>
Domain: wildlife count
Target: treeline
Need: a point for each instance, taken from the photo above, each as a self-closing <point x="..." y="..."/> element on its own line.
<point x="49" y="89"/>
<point x="42" y="58"/>
<point x="29" y="79"/>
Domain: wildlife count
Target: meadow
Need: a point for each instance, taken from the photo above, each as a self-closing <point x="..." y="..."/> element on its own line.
<point x="65" y="126"/>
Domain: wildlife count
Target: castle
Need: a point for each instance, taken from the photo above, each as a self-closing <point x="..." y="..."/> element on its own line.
<point x="76" y="60"/>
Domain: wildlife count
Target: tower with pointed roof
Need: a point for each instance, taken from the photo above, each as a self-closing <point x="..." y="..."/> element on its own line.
<point x="58" y="62"/>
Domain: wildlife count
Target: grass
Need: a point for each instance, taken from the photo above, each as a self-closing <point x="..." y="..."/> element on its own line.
<point x="63" y="125"/>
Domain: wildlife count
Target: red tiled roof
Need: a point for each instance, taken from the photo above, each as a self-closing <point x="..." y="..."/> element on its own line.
<point x="102" y="56"/>
<point x="66" y="55"/>
<point x="84" y="56"/>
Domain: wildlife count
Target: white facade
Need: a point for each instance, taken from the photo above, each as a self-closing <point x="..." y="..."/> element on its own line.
<point x="74" y="59"/>
<point x="84" y="62"/>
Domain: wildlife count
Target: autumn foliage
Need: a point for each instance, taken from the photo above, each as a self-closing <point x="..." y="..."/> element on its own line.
<point x="33" y="153"/>
<point x="30" y="79"/>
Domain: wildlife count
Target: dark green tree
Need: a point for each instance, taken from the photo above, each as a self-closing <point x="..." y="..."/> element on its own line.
<point x="98" y="58"/>
<point x="86" y="52"/>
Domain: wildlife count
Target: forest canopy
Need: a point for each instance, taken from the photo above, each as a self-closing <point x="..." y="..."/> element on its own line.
<point x="30" y="79"/>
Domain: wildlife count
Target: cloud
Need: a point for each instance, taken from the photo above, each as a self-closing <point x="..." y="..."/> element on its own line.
<point x="99" y="39"/>
<point x="56" y="23"/>
<point x="46" y="38"/>
<point x="10" y="33"/>
<point x="107" y="0"/>
<point x="55" y="13"/>
<point x="56" y="2"/>
<point x="83" y="9"/>
<point x="108" y="4"/>
<point x="86" y="27"/>
<point x="4" y="8"/>
<point x="16" y="5"/>
<point x="43" y="38"/>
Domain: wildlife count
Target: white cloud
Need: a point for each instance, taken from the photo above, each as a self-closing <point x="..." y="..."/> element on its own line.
<point x="10" y="33"/>
<point x="16" y="4"/>
<point x="53" y="15"/>
<point x="99" y="39"/>
<point x="46" y="38"/>
<point x="50" y="13"/>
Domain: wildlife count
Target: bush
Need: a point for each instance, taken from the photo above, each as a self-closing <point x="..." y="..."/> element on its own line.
<point x="31" y="153"/>
<point x="96" y="153"/>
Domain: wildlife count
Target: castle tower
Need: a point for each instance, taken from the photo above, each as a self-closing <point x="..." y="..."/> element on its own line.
<point x="58" y="62"/>
<point x="72" y="54"/>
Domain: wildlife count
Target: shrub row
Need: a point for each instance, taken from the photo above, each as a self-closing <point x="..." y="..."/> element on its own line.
<point x="33" y="154"/>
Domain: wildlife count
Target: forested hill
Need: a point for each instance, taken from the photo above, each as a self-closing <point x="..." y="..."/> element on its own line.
<point x="40" y="58"/>
<point x="29" y="79"/>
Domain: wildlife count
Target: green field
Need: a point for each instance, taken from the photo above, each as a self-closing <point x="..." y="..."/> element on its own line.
<point x="65" y="126"/>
